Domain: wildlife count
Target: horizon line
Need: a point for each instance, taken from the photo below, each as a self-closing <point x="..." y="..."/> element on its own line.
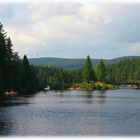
<point x="83" y="58"/>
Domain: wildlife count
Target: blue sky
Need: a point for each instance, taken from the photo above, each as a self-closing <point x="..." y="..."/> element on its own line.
<point x="73" y="29"/>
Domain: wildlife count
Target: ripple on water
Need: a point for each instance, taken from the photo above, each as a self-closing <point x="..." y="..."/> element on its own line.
<point x="72" y="113"/>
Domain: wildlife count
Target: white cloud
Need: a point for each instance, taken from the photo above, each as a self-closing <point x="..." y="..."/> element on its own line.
<point x="36" y="25"/>
<point x="134" y="47"/>
<point x="42" y="27"/>
<point x="23" y="42"/>
<point x="2" y="8"/>
<point x="20" y="37"/>
<point x="94" y="13"/>
<point x="55" y="21"/>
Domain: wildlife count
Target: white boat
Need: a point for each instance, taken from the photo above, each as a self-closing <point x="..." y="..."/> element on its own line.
<point x="47" y="88"/>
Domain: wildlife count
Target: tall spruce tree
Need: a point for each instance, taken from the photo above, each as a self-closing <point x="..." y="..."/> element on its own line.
<point x="27" y="73"/>
<point x="9" y="50"/>
<point x="100" y="71"/>
<point x="15" y="74"/>
<point x="30" y="82"/>
<point x="2" y="57"/>
<point x="87" y="71"/>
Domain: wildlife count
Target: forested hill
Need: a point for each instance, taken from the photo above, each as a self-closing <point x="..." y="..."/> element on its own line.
<point x="72" y="63"/>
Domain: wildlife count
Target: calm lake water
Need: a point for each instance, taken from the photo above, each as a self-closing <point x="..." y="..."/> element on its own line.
<point x="72" y="113"/>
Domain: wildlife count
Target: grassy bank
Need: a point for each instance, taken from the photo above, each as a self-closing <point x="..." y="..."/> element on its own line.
<point x="92" y="86"/>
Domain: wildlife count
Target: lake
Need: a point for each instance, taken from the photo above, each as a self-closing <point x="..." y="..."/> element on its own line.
<point x="72" y="113"/>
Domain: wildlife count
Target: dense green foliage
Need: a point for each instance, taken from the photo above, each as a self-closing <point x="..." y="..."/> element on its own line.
<point x="29" y="82"/>
<point x="87" y="71"/>
<point x="56" y="77"/>
<point x="92" y="86"/>
<point x="18" y="75"/>
<point x="15" y="74"/>
<point x="72" y="64"/>
<point x="100" y="71"/>
<point x="10" y="70"/>
<point x="125" y="71"/>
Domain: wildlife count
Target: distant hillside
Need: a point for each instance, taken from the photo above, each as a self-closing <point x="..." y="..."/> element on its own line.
<point x="71" y="63"/>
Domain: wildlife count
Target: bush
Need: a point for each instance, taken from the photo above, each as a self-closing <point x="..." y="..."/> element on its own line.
<point x="93" y="86"/>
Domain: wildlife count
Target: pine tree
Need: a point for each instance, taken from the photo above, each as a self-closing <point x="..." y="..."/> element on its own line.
<point x="30" y="82"/>
<point x="26" y="75"/>
<point x="9" y="50"/>
<point x="87" y="71"/>
<point x="2" y="47"/>
<point x="2" y="57"/>
<point x="100" y="71"/>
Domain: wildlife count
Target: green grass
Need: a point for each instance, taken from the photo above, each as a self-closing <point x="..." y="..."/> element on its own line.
<point x="92" y="86"/>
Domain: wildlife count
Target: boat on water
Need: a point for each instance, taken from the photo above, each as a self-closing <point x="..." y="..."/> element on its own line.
<point x="11" y="93"/>
<point x="47" y="88"/>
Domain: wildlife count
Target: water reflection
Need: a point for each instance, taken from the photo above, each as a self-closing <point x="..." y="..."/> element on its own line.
<point x="88" y="95"/>
<point x="101" y="96"/>
<point x="17" y="100"/>
<point x="72" y="113"/>
<point x="4" y="125"/>
<point x="94" y="96"/>
<point x="101" y="92"/>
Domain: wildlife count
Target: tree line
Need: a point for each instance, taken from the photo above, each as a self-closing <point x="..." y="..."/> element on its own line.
<point x="125" y="71"/>
<point x="17" y="74"/>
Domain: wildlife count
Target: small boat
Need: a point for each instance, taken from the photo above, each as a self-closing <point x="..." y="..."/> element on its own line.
<point x="47" y="88"/>
<point x="11" y="93"/>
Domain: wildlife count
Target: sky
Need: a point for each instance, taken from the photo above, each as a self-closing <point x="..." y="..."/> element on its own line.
<point x="72" y="29"/>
